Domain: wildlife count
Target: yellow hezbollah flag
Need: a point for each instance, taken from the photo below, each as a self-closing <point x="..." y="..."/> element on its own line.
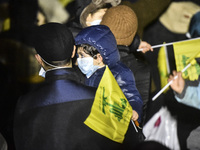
<point x="111" y="112"/>
<point x="183" y="52"/>
<point x="162" y="67"/>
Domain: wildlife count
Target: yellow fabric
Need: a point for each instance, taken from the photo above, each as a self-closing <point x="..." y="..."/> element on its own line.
<point x="65" y="2"/>
<point x="111" y="112"/>
<point x="184" y="53"/>
<point x="6" y="24"/>
<point x="162" y="67"/>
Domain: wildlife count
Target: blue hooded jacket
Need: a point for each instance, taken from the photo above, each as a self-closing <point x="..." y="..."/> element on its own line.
<point x="104" y="41"/>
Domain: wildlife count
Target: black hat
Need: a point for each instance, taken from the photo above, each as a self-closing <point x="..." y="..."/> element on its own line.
<point x="53" y="42"/>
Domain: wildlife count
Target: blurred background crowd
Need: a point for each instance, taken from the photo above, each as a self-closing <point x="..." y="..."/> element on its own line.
<point x="159" y="21"/>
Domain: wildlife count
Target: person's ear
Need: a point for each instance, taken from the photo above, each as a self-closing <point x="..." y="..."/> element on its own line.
<point x="89" y="17"/>
<point x="99" y="58"/>
<point x="73" y="52"/>
<point x="39" y="59"/>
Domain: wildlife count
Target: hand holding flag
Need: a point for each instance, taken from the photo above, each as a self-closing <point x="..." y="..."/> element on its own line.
<point x="178" y="83"/>
<point x="192" y="61"/>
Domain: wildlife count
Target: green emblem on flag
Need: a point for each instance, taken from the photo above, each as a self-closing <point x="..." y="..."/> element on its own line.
<point x="111" y="112"/>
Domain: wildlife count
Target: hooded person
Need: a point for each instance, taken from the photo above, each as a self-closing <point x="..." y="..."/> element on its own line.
<point x="52" y="116"/>
<point x="97" y="47"/>
<point x="123" y="23"/>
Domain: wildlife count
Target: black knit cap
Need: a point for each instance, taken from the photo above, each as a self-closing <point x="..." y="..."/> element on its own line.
<point x="53" y="42"/>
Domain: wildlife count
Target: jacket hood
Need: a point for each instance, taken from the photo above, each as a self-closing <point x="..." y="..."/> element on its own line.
<point x="103" y="40"/>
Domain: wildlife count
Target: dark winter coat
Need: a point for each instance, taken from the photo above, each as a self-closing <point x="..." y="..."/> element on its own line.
<point x="52" y="117"/>
<point x="141" y="71"/>
<point x="104" y="41"/>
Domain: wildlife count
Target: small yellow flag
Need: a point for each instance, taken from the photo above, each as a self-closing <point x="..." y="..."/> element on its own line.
<point x="183" y="52"/>
<point x="162" y="68"/>
<point x="111" y="112"/>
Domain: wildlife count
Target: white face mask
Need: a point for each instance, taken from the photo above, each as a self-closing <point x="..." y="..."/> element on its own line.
<point x="86" y="66"/>
<point x="42" y="72"/>
<point x="95" y="22"/>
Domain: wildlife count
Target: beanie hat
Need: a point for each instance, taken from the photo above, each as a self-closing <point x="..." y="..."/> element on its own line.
<point x="53" y="42"/>
<point x="94" y="5"/>
<point x="123" y="23"/>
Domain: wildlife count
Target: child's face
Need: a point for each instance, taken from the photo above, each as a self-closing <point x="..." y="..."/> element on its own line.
<point x="82" y="54"/>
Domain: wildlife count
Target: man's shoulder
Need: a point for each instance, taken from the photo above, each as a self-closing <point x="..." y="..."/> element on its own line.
<point x="55" y="93"/>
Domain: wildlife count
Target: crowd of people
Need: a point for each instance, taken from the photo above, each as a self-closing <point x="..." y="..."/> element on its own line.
<point x="52" y="61"/>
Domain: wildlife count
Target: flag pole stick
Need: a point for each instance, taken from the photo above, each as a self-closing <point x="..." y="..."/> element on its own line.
<point x="134" y="126"/>
<point x="162" y="90"/>
<point x="167" y="44"/>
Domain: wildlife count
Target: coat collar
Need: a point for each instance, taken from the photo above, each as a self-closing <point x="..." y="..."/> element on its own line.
<point x="64" y="73"/>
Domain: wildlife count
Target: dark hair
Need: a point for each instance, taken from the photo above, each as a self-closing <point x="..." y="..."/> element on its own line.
<point x="90" y="50"/>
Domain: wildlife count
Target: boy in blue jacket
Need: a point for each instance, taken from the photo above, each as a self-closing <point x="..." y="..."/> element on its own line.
<point x="97" y="47"/>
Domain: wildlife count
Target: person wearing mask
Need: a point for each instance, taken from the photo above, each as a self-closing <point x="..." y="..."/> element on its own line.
<point x="97" y="47"/>
<point x="52" y="115"/>
<point x="44" y="117"/>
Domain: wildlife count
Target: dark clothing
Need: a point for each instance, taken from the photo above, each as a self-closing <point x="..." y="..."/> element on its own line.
<point x="141" y="72"/>
<point x="153" y="37"/>
<point x="51" y="117"/>
<point x="147" y="12"/>
<point x="75" y="9"/>
<point x="135" y="44"/>
<point x="23" y="20"/>
<point x="95" y="79"/>
<point x="3" y="143"/>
